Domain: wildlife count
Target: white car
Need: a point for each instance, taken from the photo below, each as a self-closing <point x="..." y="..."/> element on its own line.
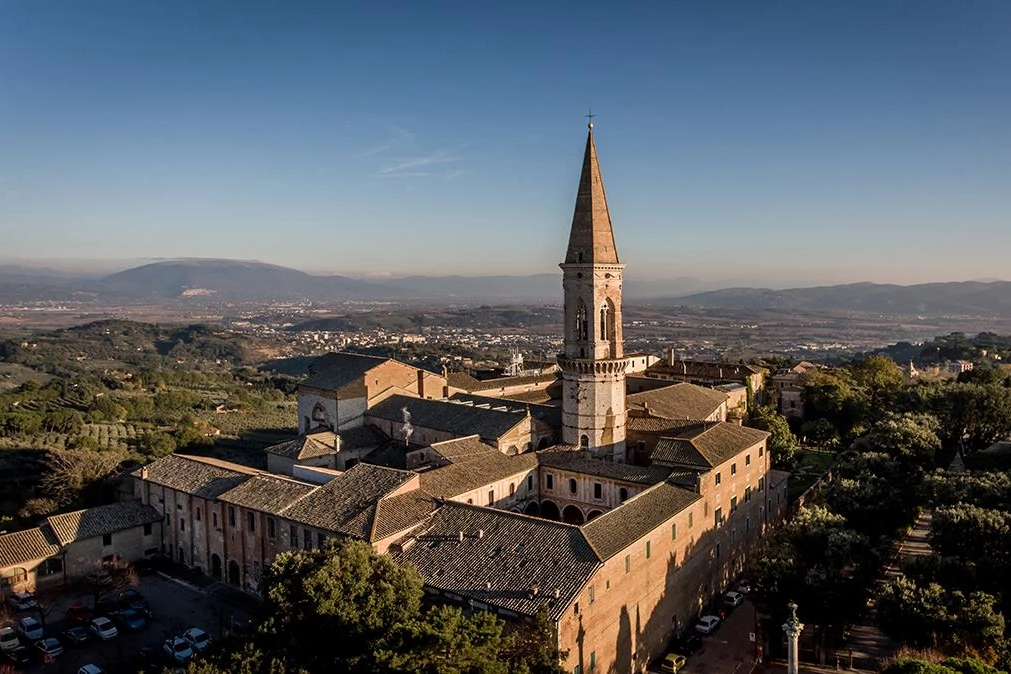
<point x="8" y="638"/>
<point x="732" y="599"/>
<point x="198" y="638"/>
<point x="103" y="628"/>
<point x="178" y="649"/>
<point x="22" y="601"/>
<point x="707" y="624"/>
<point x="30" y="629"/>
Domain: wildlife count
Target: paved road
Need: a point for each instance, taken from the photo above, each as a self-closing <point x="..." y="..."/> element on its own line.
<point x="729" y="650"/>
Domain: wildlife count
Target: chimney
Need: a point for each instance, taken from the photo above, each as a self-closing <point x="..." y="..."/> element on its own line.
<point x="461" y="536"/>
<point x="480" y="533"/>
<point x="421" y="383"/>
<point x="670" y="356"/>
<point x="143" y="473"/>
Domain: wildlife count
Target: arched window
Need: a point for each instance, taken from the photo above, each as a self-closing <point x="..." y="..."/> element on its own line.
<point x="622" y="494"/>
<point x="572" y="486"/>
<point x="582" y="329"/>
<point x="603" y="322"/>
<point x="584" y="441"/>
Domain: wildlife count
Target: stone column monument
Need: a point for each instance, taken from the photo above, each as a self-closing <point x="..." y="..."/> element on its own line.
<point x="793" y="627"/>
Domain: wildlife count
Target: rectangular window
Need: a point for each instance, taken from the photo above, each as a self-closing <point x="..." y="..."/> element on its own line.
<point x="320" y="540"/>
<point x="598" y="491"/>
<point x="293" y="536"/>
<point x="256" y="571"/>
<point x="182" y="524"/>
<point x="733" y="469"/>
<point x="593" y="659"/>
<point x="673" y="531"/>
<point x="761" y="450"/>
<point x="747" y="524"/>
<point x="719" y="516"/>
<point x="747" y="459"/>
<point x="106" y="539"/>
<point x="251" y="521"/>
<point x="591" y="594"/>
<point x="491" y="497"/>
<point x="647" y="549"/>
<point x="719" y="478"/>
<point x="628" y="563"/>
<point x="530" y="482"/>
<point x="761" y="483"/>
<point x="306" y="539"/>
<point x="717" y="551"/>
<point x="231" y="516"/>
<point x="747" y="494"/>
<point x="271" y="532"/>
<point x="691" y="517"/>
<point x="198" y="514"/>
<point x="549" y="481"/>
<point x="733" y="504"/>
<point x="147" y="529"/>
<point x="214" y="519"/>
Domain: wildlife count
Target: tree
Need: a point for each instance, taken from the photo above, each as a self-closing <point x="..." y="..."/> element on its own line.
<point x="881" y="378"/>
<point x="782" y="442"/>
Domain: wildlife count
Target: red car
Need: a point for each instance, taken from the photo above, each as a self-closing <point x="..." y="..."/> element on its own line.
<point x="78" y="612"/>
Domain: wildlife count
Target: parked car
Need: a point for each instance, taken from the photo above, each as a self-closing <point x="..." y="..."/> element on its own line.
<point x="687" y="643"/>
<point x="198" y="638"/>
<point x="672" y="663"/>
<point x="75" y="635"/>
<point x="136" y="601"/>
<point x="732" y="599"/>
<point x="90" y="669"/>
<point x="178" y="649"/>
<point x="50" y="647"/>
<point x="19" y="657"/>
<point x="78" y="612"/>
<point x="8" y="638"/>
<point x="106" y="605"/>
<point x="30" y="629"/>
<point x="742" y="586"/>
<point x="130" y="619"/>
<point x="707" y="624"/>
<point x="22" y="601"/>
<point x="103" y="628"/>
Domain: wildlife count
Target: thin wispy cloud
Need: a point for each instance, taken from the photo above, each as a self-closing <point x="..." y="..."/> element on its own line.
<point x="398" y="138"/>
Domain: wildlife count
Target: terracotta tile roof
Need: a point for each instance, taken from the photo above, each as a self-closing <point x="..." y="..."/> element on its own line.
<point x="193" y="475"/>
<point x="395" y="514"/>
<point x="347" y="504"/>
<point x="462" y="449"/>
<point x="578" y="462"/>
<point x="320" y="443"/>
<point x="456" y="418"/>
<point x="549" y="414"/>
<point x="334" y="371"/>
<point x="21" y="547"/>
<point x="658" y="425"/>
<point x="705" y="370"/>
<point x="466" y="382"/>
<point x="360" y="437"/>
<point x="101" y="520"/>
<point x="267" y="493"/>
<point x="679" y="401"/>
<point x="707" y="447"/>
<point x="501" y="558"/>
<point x="617" y="529"/>
<point x="467" y="474"/>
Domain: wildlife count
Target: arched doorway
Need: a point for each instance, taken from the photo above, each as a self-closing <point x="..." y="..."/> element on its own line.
<point x="593" y="514"/>
<point x="572" y="515"/>
<point x="215" y="566"/>
<point x="233" y="572"/>
<point x="532" y="509"/>
<point x="549" y="511"/>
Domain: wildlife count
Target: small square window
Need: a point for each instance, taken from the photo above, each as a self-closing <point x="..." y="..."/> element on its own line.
<point x="106" y="539"/>
<point x="719" y="478"/>
<point x="147" y="529"/>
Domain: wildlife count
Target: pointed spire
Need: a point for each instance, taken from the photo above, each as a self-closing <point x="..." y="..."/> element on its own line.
<point x="591" y="239"/>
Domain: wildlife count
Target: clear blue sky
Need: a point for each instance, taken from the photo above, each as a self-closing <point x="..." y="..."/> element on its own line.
<point x="791" y="142"/>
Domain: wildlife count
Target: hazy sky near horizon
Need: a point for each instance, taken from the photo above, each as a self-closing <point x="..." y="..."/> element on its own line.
<point x="775" y="142"/>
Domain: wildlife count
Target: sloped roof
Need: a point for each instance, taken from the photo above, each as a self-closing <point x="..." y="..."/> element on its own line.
<point x="464" y="381"/>
<point x="334" y="371"/>
<point x="658" y="425"/>
<point x="679" y="401"/>
<point x="705" y="370"/>
<point x="401" y="512"/>
<point x="707" y="447"/>
<point x="470" y="473"/>
<point x="549" y="414"/>
<point x="462" y="449"/>
<point x="347" y="503"/>
<point x="21" y="547"/>
<point x="311" y="445"/>
<point x="577" y="462"/>
<point x="456" y="418"/>
<point x="194" y="475"/>
<point x="617" y="529"/>
<point x="82" y="524"/>
<point x="501" y="558"/>
<point x="267" y="493"/>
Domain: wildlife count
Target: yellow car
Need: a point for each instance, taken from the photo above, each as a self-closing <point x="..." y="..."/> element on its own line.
<point x="672" y="662"/>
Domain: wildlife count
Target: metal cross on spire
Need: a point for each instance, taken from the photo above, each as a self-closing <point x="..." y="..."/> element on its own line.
<point x="589" y="117"/>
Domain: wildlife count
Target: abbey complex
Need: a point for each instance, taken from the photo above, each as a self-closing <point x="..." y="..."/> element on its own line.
<point x="620" y="513"/>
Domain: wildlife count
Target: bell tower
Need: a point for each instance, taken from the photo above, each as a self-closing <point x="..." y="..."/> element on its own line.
<point x="592" y="363"/>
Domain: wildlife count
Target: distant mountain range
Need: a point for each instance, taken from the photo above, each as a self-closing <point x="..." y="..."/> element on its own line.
<point x="245" y="281"/>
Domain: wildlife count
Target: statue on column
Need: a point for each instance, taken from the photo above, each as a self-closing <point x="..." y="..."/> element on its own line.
<point x="793" y="628"/>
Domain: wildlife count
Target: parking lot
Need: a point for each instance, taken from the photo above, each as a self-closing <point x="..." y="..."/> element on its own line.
<point x="176" y="605"/>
